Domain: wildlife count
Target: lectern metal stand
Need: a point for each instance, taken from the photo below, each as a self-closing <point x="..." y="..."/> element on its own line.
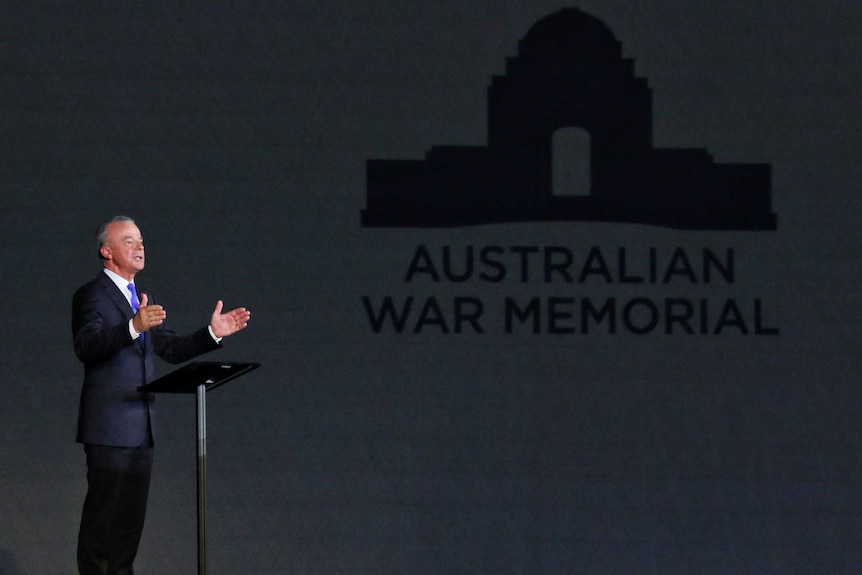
<point x="199" y="377"/>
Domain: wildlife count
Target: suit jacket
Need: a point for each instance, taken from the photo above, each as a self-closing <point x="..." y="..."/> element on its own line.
<point x="112" y="411"/>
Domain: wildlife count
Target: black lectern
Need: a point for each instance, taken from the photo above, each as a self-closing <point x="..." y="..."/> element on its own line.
<point x="199" y="377"/>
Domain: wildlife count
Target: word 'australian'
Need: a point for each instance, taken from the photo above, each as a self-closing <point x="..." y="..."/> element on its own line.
<point x="560" y="264"/>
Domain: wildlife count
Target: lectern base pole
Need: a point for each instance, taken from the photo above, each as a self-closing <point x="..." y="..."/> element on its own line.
<point x="202" y="478"/>
<point x="199" y="378"/>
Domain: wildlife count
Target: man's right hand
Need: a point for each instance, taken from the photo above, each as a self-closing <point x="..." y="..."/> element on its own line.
<point x="148" y="316"/>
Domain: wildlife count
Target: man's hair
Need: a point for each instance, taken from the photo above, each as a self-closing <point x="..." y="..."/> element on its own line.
<point x="102" y="234"/>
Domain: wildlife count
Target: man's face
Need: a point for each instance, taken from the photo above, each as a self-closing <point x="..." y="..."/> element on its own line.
<point x="124" y="250"/>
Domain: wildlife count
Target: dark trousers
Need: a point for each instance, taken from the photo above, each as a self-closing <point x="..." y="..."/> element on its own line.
<point x="118" y="483"/>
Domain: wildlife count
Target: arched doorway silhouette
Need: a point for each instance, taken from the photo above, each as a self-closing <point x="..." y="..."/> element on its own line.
<point x="571" y="159"/>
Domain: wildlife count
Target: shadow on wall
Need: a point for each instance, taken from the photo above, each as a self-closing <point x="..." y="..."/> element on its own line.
<point x="8" y="565"/>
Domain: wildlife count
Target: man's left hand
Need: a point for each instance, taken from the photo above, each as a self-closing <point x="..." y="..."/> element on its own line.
<point x="225" y="324"/>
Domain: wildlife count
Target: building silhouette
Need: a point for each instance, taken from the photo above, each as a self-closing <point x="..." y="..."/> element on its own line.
<point x="569" y="73"/>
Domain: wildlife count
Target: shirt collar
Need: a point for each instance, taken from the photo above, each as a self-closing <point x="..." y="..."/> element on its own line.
<point x="122" y="283"/>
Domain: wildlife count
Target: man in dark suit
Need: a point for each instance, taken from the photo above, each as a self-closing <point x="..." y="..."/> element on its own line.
<point x="116" y="335"/>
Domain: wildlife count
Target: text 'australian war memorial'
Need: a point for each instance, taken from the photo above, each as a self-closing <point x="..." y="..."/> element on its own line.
<point x="652" y="271"/>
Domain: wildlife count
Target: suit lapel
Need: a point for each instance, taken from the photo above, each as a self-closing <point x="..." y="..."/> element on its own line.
<point x="115" y="295"/>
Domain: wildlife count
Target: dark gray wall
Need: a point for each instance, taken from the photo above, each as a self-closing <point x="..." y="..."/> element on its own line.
<point x="237" y="133"/>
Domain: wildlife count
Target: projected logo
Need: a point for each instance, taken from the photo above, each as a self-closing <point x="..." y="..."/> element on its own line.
<point x="569" y="139"/>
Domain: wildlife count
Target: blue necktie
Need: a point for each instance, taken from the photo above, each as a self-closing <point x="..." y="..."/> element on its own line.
<point x="135" y="302"/>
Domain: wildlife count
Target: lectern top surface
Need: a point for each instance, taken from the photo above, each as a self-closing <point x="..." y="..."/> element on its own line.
<point x="188" y="378"/>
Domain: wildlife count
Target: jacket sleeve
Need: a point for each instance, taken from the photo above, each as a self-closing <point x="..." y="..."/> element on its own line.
<point x="95" y="337"/>
<point x="177" y="349"/>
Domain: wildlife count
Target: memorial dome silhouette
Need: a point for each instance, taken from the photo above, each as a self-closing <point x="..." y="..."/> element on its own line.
<point x="570" y="34"/>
